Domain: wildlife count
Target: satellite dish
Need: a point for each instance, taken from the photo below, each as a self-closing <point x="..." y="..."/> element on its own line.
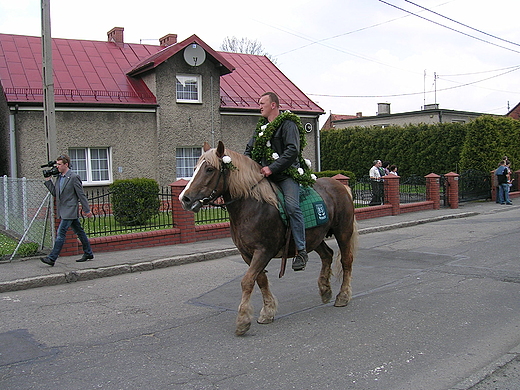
<point x="194" y="55"/>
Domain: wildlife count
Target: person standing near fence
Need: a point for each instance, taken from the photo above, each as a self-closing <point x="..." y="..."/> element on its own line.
<point x="68" y="191"/>
<point x="503" y="177"/>
<point x="376" y="174"/>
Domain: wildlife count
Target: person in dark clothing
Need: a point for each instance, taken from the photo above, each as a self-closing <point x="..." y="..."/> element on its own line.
<point x="503" y="178"/>
<point x="285" y="141"/>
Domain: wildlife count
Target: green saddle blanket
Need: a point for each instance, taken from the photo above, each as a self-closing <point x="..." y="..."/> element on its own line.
<point x="312" y="206"/>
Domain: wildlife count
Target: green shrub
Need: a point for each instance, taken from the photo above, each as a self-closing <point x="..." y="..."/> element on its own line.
<point x="349" y="174"/>
<point x="135" y="201"/>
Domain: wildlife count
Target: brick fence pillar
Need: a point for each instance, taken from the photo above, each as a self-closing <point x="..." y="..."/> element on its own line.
<point x="392" y="197"/>
<point x="182" y="219"/>
<point x="453" y="189"/>
<point x="494" y="184"/>
<point x="433" y="190"/>
<point x="342" y="179"/>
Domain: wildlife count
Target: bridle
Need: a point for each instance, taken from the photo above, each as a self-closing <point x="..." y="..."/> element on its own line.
<point x="213" y="195"/>
<point x="208" y="201"/>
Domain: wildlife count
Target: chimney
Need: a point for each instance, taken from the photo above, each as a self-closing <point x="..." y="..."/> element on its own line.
<point x="168" y="40"/>
<point x="116" y="35"/>
<point x="359" y="114"/>
<point x="383" y="108"/>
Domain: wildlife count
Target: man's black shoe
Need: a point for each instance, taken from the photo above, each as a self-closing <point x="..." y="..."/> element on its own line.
<point x="85" y="258"/>
<point x="300" y="261"/>
<point x="47" y="261"/>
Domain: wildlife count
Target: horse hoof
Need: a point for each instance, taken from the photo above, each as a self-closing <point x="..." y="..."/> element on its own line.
<point x="265" y="320"/>
<point x="326" y="296"/>
<point x="340" y="302"/>
<point x="242" y="329"/>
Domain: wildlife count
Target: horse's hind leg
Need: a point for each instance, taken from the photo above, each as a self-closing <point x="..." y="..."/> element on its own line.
<point x="270" y="303"/>
<point x="325" y="253"/>
<point x="346" y="242"/>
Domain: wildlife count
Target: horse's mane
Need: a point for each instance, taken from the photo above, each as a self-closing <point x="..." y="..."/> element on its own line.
<point x="245" y="181"/>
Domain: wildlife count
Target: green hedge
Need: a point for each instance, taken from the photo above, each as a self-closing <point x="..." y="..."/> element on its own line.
<point x="423" y="149"/>
<point x="349" y="174"/>
<point x="135" y="201"/>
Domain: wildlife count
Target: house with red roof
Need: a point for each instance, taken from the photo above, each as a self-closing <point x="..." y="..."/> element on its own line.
<point x="126" y="110"/>
<point x="514" y="112"/>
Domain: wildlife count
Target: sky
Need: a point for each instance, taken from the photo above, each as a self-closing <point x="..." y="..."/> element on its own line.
<point x="346" y="55"/>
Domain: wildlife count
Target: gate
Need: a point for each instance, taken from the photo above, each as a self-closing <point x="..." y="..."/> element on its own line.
<point x="474" y="185"/>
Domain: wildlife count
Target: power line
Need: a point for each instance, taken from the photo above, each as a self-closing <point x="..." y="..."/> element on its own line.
<point x="484" y="71"/>
<point x="462" y="24"/>
<point x="449" y="28"/>
<point x="415" y="93"/>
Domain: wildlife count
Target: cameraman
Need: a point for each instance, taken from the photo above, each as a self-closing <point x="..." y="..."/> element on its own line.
<point x="68" y="191"/>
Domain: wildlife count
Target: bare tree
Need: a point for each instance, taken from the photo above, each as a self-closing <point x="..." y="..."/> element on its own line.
<point x="246" y="46"/>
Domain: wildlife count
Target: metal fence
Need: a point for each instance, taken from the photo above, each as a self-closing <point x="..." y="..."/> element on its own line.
<point x="25" y="210"/>
<point x="412" y="189"/>
<point x="474" y="185"/>
<point x="103" y="222"/>
<point x="212" y="214"/>
<point x="361" y="191"/>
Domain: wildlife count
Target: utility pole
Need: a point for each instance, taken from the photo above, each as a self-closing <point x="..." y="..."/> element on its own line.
<point x="435" y="85"/>
<point x="48" y="83"/>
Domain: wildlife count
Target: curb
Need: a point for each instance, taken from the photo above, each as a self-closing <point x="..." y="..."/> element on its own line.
<point x="488" y="370"/>
<point x="416" y="222"/>
<point x="102" y="272"/>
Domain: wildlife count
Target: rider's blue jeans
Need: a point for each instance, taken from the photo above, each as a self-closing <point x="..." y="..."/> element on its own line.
<point x="291" y="192"/>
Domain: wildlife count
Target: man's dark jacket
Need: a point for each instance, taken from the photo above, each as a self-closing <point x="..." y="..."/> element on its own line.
<point x="285" y="142"/>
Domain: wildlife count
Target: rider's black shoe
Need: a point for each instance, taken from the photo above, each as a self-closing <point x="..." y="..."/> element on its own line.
<point x="300" y="260"/>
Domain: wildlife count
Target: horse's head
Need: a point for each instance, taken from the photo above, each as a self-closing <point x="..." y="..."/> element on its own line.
<point x="208" y="181"/>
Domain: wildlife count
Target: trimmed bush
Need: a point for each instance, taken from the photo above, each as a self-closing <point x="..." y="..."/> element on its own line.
<point x="349" y="174"/>
<point x="135" y="201"/>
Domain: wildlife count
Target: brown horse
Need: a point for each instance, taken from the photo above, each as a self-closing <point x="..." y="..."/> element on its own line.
<point x="258" y="230"/>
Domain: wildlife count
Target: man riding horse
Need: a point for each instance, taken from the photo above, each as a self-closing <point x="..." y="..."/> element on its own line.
<point x="277" y="147"/>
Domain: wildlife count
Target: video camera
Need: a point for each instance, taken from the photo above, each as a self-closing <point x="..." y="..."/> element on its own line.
<point x="50" y="172"/>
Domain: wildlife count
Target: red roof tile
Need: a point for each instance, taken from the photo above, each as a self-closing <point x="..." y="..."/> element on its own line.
<point x="255" y="75"/>
<point x="104" y="72"/>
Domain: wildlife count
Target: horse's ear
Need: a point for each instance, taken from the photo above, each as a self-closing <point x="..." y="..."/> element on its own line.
<point x="220" y="149"/>
<point x="206" y="147"/>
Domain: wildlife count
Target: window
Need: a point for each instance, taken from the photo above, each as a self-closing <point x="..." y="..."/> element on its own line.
<point x="186" y="159"/>
<point x="93" y="165"/>
<point x="189" y="88"/>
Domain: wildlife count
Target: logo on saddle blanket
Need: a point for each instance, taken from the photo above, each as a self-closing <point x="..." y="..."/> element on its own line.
<point x="312" y="205"/>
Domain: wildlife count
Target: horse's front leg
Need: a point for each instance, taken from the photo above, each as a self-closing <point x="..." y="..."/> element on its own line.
<point x="270" y="302"/>
<point x="245" y="309"/>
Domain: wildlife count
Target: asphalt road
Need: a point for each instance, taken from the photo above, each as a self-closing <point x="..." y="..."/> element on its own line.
<point x="434" y="307"/>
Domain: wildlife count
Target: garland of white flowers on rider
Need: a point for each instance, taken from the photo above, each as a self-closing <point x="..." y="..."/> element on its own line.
<point x="262" y="149"/>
